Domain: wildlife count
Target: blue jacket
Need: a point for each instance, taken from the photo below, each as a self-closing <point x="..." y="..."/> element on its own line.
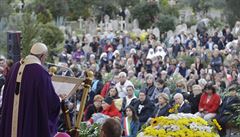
<point x="216" y="63"/>
<point x="185" y="108"/>
<point x="161" y="112"/>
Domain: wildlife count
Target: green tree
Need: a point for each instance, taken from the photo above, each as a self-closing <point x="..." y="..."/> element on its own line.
<point x="127" y="3"/>
<point x="199" y="5"/>
<point x="79" y="8"/>
<point x="146" y="13"/>
<point x="29" y="28"/>
<point x="166" y="23"/>
<point x="57" y="7"/>
<point x="52" y="36"/>
<point x="5" y="8"/>
<point x="95" y="8"/>
<point x="44" y="17"/>
<point x="232" y="11"/>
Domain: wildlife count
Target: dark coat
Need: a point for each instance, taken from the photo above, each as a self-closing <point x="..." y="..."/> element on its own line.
<point x="161" y="111"/>
<point x="90" y="110"/>
<point x="226" y="112"/>
<point x="194" y="102"/>
<point x="216" y="63"/>
<point x="185" y="108"/>
<point x="150" y="90"/>
<point x="145" y="112"/>
<point x="133" y="102"/>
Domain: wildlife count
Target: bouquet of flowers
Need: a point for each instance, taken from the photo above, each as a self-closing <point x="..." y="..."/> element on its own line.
<point x="174" y="109"/>
<point x="178" y="125"/>
<point x="92" y="131"/>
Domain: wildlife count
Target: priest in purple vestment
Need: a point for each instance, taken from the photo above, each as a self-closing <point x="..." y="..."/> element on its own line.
<point x="30" y="105"/>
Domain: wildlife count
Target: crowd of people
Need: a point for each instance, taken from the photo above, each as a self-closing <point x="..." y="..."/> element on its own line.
<point x="135" y="72"/>
<point x="132" y="74"/>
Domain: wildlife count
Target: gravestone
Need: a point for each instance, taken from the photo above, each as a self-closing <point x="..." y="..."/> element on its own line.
<point x="106" y="22"/>
<point x="92" y="27"/>
<point x="110" y="26"/>
<point x="193" y="28"/>
<point x="101" y="25"/>
<point x="180" y="28"/>
<point x="135" y="24"/>
<point x="122" y="24"/>
<point x="115" y="25"/>
<point x="128" y="14"/>
<point x="80" y="20"/>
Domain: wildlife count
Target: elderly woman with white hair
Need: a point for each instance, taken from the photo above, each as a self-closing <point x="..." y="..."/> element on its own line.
<point x="123" y="84"/>
<point x="184" y="107"/>
<point x="163" y="106"/>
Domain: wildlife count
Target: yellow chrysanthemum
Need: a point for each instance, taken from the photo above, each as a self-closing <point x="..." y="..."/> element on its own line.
<point x="179" y="127"/>
<point x="217" y="124"/>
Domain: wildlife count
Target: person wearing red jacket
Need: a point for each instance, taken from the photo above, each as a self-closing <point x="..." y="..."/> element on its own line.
<point x="209" y="103"/>
<point x="109" y="109"/>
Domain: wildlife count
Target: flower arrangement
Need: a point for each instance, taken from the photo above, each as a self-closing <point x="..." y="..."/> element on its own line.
<point x="92" y="131"/>
<point x="178" y="125"/>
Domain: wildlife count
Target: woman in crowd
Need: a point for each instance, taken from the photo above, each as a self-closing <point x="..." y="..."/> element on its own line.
<point x="113" y="93"/>
<point x="109" y="110"/>
<point x="111" y="83"/>
<point x="163" y="106"/>
<point x="194" y="98"/>
<point x="160" y="88"/>
<point x="130" y="123"/>
<point x="209" y="103"/>
<point x="96" y="107"/>
<point x="150" y="87"/>
<point x="198" y="65"/>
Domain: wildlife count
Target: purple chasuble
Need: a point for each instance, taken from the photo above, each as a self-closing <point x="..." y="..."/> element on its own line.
<point x="39" y="105"/>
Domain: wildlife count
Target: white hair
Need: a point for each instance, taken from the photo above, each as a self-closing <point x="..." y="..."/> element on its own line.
<point x="149" y="75"/>
<point x="202" y="82"/>
<point x="178" y="95"/>
<point x="122" y="74"/>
